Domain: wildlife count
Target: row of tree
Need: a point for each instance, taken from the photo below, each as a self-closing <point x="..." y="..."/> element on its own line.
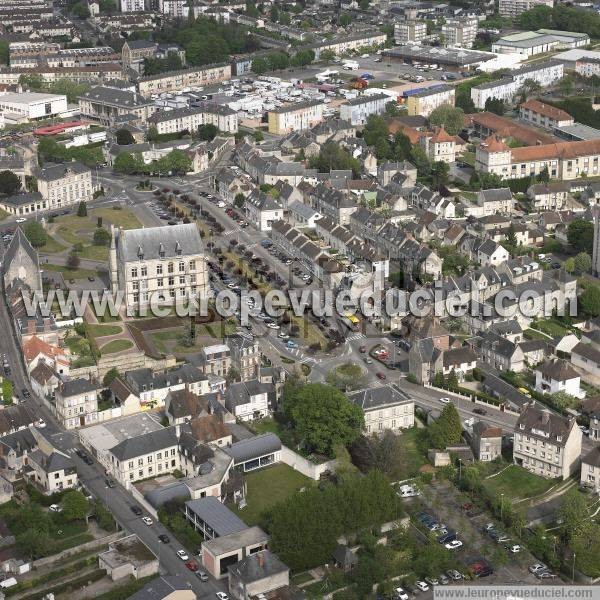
<point x="49" y="150"/>
<point x="277" y="61"/>
<point x="175" y="162"/>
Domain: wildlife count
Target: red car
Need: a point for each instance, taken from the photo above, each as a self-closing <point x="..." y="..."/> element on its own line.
<point x="192" y="565"/>
<point x="380" y="375"/>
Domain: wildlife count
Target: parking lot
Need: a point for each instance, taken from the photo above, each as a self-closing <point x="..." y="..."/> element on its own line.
<point x="484" y="542"/>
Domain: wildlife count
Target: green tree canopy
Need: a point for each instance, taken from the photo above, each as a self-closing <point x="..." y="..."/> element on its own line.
<point x="75" y="506"/>
<point x="207" y="132"/>
<point x="590" y="300"/>
<point x="447" y="429"/>
<point x="580" y="235"/>
<point x="450" y="117"/>
<point x="323" y="417"/>
<point x="583" y="262"/>
<point x="495" y="105"/>
<point x="9" y="182"/>
<point x="82" y="209"/>
<point x="333" y="156"/>
<point x="124" y="137"/>
<point x="101" y="237"/>
<point x="110" y="376"/>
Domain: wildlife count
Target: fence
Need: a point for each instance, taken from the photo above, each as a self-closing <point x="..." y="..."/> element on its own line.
<point x="305" y="466"/>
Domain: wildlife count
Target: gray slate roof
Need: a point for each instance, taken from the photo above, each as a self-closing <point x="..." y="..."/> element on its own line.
<point x="175" y="241"/>
<point x="216" y="515"/>
<point x="147" y="443"/>
<point x="254" y="447"/>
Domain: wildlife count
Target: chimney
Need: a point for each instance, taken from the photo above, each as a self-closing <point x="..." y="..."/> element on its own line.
<point x="261" y="560"/>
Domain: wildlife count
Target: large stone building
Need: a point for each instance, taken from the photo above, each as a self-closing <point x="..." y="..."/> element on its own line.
<point x="76" y="403"/>
<point x="295" y="117"/>
<point x="547" y="444"/>
<point x="384" y="409"/>
<point x="166" y="264"/>
<point x="21" y="264"/>
<point x="64" y="184"/>
<point x="173" y="81"/>
<point x="109" y="105"/>
<point x="182" y="119"/>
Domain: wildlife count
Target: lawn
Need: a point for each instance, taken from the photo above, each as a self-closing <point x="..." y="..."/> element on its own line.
<point x="3" y="214"/>
<point x="530" y="334"/>
<point x="51" y="247"/>
<point x="551" y="327"/>
<point x="267" y="425"/>
<point x="70" y="273"/>
<point x="116" y="346"/>
<point x="98" y="253"/>
<point x="515" y="483"/>
<point x="103" y="330"/>
<point x="410" y="452"/>
<point x="266" y="488"/>
<point x="117" y="216"/>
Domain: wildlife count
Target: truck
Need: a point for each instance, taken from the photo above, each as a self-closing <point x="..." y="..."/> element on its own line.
<point x="350" y="65"/>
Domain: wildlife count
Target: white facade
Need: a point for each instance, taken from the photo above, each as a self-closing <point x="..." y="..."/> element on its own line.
<point x="226" y="120"/>
<point x="295" y="117"/>
<point x="63" y="185"/>
<point x="460" y="33"/>
<point x="410" y="31"/>
<point x="177" y="9"/>
<point x="357" y="111"/>
<point x="133" y="6"/>
<point x="33" y="105"/>
<point x="513" y="8"/>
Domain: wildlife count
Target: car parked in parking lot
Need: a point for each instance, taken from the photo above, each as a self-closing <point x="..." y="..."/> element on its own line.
<point x="182" y="555"/>
<point x="453" y="545"/>
<point x="422" y="586"/>
<point x="454" y="575"/>
<point x="537" y="568"/>
<point x="163" y="538"/>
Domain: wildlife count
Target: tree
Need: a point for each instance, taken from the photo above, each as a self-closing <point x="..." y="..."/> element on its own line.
<point x="127" y="163"/>
<point x="323" y="417"/>
<point x="586" y="549"/>
<point x="110" y="376"/>
<point x="179" y="162"/>
<point x="539" y="17"/>
<point x="107" y="6"/>
<point x="36" y="234"/>
<point x="82" y="209"/>
<point x="75" y="506"/>
<point x="511" y="236"/>
<point x="451" y="118"/>
<point x="590" y="300"/>
<point x="4" y="52"/>
<point x="543" y="176"/>
<point x="124" y="137"/>
<point x="580" y="235"/>
<point x="207" y="132"/>
<point x="260" y="66"/>
<point x="327" y="55"/>
<point x="152" y="134"/>
<point x="573" y="512"/>
<point x="80" y="10"/>
<point x="440" y="174"/>
<point x="101" y="237"/>
<point x="35" y="543"/>
<point x="419" y="158"/>
<point x="333" y="156"/>
<point x="566" y="85"/>
<point x="345" y="19"/>
<point x="583" y="262"/>
<point x="73" y="261"/>
<point x="495" y="105"/>
<point x="447" y="429"/>
<point x="9" y="182"/>
<point x="33" y="82"/>
<point x="239" y="200"/>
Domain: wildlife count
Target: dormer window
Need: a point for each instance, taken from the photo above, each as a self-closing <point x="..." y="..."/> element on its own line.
<point x="178" y="250"/>
<point x="140" y="253"/>
<point x="521" y="426"/>
<point x="559" y="438"/>
<point x="161" y="251"/>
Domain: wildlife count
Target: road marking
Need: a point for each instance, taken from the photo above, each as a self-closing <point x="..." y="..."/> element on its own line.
<point x="355" y="336"/>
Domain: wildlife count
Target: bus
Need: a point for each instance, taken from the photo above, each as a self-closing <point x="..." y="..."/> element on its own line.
<point x="352" y="322"/>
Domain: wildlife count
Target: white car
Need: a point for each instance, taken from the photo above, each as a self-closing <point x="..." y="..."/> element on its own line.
<point x="20" y="220"/>
<point x="40" y="423"/>
<point x="283" y="335"/>
<point x="514" y="549"/>
<point x="445" y="400"/>
<point x="400" y="594"/>
<point x="147" y="520"/>
<point x="55" y="508"/>
<point x="182" y="555"/>
<point x="272" y="326"/>
<point x="453" y="545"/>
<point x="537" y="568"/>
<point x="222" y="596"/>
<point x="422" y="586"/>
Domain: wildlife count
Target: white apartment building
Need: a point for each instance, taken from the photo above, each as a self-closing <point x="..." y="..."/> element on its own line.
<point x="557" y="375"/>
<point x="546" y="443"/>
<point x="29" y="106"/>
<point x="588" y="67"/>
<point x="544" y="115"/>
<point x="148" y="455"/>
<point x="349" y="43"/>
<point x="177" y="9"/>
<point x="410" y="31"/>
<point x="506" y="89"/>
<point x="174" y="81"/>
<point x="167" y="263"/>
<point x="384" y="409"/>
<point x="133" y="6"/>
<point x="76" y="403"/>
<point x="357" y="111"/>
<point x="65" y="184"/>
<point x="460" y="33"/>
<point x="248" y="400"/>
<point x="513" y="8"/>
<point x="295" y="117"/>
<point x="51" y="469"/>
<point x="189" y="119"/>
<point x="439" y="145"/>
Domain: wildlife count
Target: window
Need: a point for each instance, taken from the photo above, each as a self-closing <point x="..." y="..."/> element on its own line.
<point x="192" y="265"/>
<point x="144" y="271"/>
<point x="170" y="267"/>
<point x="159" y="269"/>
<point x="181" y="267"/>
<point x="134" y="272"/>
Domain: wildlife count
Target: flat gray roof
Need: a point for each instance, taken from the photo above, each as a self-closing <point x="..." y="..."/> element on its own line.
<point x="234" y="541"/>
<point x="216" y="515"/>
<point x="580" y="131"/>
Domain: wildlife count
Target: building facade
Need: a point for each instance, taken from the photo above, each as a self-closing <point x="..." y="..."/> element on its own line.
<point x="295" y="117"/>
<point x="65" y="184"/>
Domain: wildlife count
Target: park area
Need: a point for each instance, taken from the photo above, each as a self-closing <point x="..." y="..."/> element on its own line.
<point x="516" y="483"/>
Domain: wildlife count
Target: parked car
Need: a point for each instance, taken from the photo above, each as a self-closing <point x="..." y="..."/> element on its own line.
<point x="538" y="568"/>
<point x="453" y="545"/>
<point x="480" y="411"/>
<point x="202" y="576"/>
<point x="182" y="555"/>
<point x="136" y="510"/>
<point x="381" y="375"/>
<point x="163" y="538"/>
<point x="421" y="585"/>
<point x="443" y="579"/>
<point x="514" y="549"/>
<point x="222" y="596"/>
<point x="192" y="565"/>
<point x="55" y="508"/>
<point x="147" y="521"/>
<point x="432" y="581"/>
<point x="454" y="575"/>
<point x="400" y="594"/>
<point x="110" y="482"/>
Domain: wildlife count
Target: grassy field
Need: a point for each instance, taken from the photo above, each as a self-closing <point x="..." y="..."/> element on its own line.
<point x="102" y="330"/>
<point x="530" y="334"/>
<point x="3" y="214"/>
<point x="551" y="327"/>
<point x="515" y="482"/>
<point x="51" y="247"/>
<point x="116" y="346"/>
<point x="266" y="488"/>
<point x="410" y="454"/>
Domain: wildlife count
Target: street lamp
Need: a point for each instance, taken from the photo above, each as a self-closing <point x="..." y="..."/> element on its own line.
<point x="501" y="505"/>
<point x="573" y="575"/>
